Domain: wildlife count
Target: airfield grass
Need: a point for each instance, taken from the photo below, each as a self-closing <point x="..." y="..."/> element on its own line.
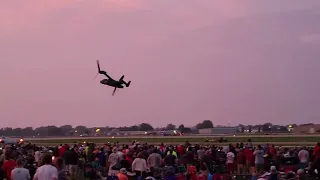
<point x="262" y="139"/>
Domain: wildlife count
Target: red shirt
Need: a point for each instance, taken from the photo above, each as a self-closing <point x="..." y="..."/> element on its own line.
<point x="62" y="150"/>
<point x="124" y="151"/>
<point x="8" y="166"/>
<point x="249" y="155"/>
<point x="316" y="152"/>
<point x="241" y="158"/>
<point x="129" y="160"/>
<point x="272" y="151"/>
<point x="181" y="151"/>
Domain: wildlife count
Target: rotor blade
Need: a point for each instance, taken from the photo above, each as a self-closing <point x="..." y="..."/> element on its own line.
<point x="95" y="76"/>
<point x="114" y="91"/>
<point x="98" y="64"/>
<point x="98" y="70"/>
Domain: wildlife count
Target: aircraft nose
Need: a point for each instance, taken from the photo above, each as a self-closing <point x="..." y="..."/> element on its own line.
<point x="104" y="81"/>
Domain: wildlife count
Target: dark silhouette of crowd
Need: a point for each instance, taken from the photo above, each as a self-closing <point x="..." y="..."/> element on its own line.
<point x="148" y="161"/>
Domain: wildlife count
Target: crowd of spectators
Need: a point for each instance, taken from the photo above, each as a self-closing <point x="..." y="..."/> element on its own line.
<point x="169" y="162"/>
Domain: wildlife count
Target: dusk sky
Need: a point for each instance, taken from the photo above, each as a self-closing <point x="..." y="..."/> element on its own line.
<point x="242" y="62"/>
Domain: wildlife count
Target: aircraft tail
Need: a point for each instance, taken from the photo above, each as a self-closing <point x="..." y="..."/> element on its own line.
<point x="128" y="84"/>
<point x="121" y="79"/>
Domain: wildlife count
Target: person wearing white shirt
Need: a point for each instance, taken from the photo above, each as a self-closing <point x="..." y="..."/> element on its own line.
<point x="303" y="158"/>
<point x="46" y="171"/>
<point x="139" y="165"/>
<point x="20" y="173"/>
<point x="230" y="161"/>
<point x="37" y="155"/>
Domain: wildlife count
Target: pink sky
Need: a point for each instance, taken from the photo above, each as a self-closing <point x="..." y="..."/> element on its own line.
<point x="238" y="62"/>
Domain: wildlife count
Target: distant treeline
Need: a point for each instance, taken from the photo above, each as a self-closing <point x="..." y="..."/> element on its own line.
<point x="68" y="130"/>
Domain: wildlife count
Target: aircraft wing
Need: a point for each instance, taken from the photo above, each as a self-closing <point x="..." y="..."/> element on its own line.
<point x="102" y="72"/>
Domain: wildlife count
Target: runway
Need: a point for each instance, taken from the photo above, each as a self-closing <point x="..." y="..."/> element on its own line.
<point x="176" y="137"/>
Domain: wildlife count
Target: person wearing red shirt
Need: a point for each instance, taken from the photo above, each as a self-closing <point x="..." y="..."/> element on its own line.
<point x="316" y="151"/>
<point x="272" y="151"/>
<point x="181" y="151"/>
<point x="162" y="148"/>
<point x="62" y="150"/>
<point x="129" y="159"/>
<point x="124" y="151"/>
<point x="241" y="160"/>
<point x="248" y="152"/>
<point x="8" y="165"/>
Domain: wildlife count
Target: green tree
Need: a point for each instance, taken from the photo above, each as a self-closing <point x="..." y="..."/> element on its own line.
<point x="170" y="127"/>
<point x="181" y="128"/>
<point x="66" y="129"/>
<point x="81" y="129"/>
<point x="145" y="127"/>
<point x="205" y="124"/>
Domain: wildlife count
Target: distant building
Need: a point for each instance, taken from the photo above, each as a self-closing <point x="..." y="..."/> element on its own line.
<point x="219" y="130"/>
<point x="133" y="133"/>
<point x="307" y="129"/>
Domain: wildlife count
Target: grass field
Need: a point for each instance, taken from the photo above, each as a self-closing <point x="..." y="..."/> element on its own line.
<point x="174" y="140"/>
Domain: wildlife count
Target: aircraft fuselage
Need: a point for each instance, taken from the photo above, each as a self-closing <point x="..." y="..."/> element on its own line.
<point x="111" y="83"/>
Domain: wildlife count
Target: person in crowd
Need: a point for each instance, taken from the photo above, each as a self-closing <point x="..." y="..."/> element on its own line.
<point x="71" y="159"/>
<point x="120" y="153"/>
<point x="188" y="160"/>
<point x="170" y="173"/>
<point x="122" y="175"/>
<point x="139" y="165"/>
<point x="249" y="144"/>
<point x="301" y="175"/>
<point x="272" y="151"/>
<point x="274" y="175"/>
<point x="181" y="150"/>
<point x="129" y="156"/>
<point x="154" y="160"/>
<point x="172" y="152"/>
<point x="254" y="176"/>
<point x="62" y="150"/>
<point x="315" y="168"/>
<point x="316" y="151"/>
<point x="206" y="167"/>
<point x="241" y="160"/>
<point x="2" y="156"/>
<point x="170" y="159"/>
<point x="19" y="172"/>
<point x="113" y="162"/>
<point x="47" y="171"/>
<point x="102" y="157"/>
<point x="124" y="163"/>
<point x="201" y="153"/>
<point x="37" y="155"/>
<point x="259" y="159"/>
<point x="303" y="156"/>
<point x="62" y="173"/>
<point x="230" y="161"/>
<point x="9" y="164"/>
<point x="30" y="165"/>
<point x="90" y="155"/>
